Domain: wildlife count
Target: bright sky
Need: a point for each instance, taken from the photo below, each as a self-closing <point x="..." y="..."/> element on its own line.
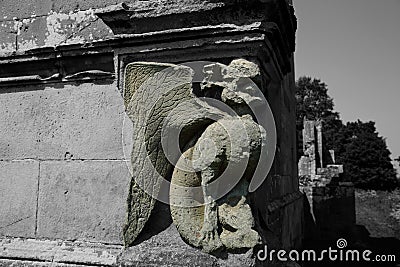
<point x="354" y="47"/>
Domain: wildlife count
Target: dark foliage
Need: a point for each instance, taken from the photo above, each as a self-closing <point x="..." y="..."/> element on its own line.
<point x="366" y="157"/>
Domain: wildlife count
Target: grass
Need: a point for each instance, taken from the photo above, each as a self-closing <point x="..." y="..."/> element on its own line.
<point x="379" y="212"/>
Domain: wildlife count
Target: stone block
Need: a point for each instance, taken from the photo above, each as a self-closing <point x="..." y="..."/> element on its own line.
<point x="72" y="121"/>
<point x="18" y="197"/>
<point x="84" y="200"/>
<point x="16" y="248"/>
<point x="20" y="263"/>
<point x="49" y="29"/>
<point x="55" y="253"/>
<point x="94" y="31"/>
<point x="292" y="228"/>
<point x="168" y="249"/>
<point x="77" y="27"/>
<point x="7" y="37"/>
<point x="33" y="33"/>
<point x="320" y="191"/>
<point x="165" y="249"/>
<point x="66" y="6"/>
<point x="24" y="8"/>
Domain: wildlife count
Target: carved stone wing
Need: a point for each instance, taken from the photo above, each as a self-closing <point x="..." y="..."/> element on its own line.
<point x="151" y="91"/>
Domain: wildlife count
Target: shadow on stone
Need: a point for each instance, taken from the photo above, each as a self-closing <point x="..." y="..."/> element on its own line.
<point x="160" y="219"/>
<point x="319" y="238"/>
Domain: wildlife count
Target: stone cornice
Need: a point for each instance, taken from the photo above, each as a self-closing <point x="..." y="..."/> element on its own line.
<point x="148" y="17"/>
<point x="260" y="29"/>
<point x="96" y="61"/>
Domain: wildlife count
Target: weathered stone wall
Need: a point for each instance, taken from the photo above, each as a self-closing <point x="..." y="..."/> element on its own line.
<point x="65" y="139"/>
<point x="26" y="25"/>
<point x="283" y="180"/>
<point x="63" y="167"/>
<point x="63" y="171"/>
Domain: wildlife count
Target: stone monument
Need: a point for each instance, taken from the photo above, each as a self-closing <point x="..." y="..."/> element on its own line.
<point x="330" y="197"/>
<point x="130" y="133"/>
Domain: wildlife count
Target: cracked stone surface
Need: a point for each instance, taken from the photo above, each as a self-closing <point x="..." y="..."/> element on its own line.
<point x="154" y="90"/>
<point x="18" y="193"/>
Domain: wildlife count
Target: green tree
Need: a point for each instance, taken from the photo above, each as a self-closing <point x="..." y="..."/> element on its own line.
<point x="313" y="101"/>
<point x="365" y="157"/>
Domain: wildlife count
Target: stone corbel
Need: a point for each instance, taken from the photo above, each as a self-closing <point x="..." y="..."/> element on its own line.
<point x="171" y="109"/>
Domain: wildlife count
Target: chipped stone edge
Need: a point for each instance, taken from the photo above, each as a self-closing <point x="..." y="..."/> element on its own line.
<point x="59" y="251"/>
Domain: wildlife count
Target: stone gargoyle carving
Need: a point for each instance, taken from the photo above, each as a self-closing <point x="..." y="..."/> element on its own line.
<point x="195" y="132"/>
